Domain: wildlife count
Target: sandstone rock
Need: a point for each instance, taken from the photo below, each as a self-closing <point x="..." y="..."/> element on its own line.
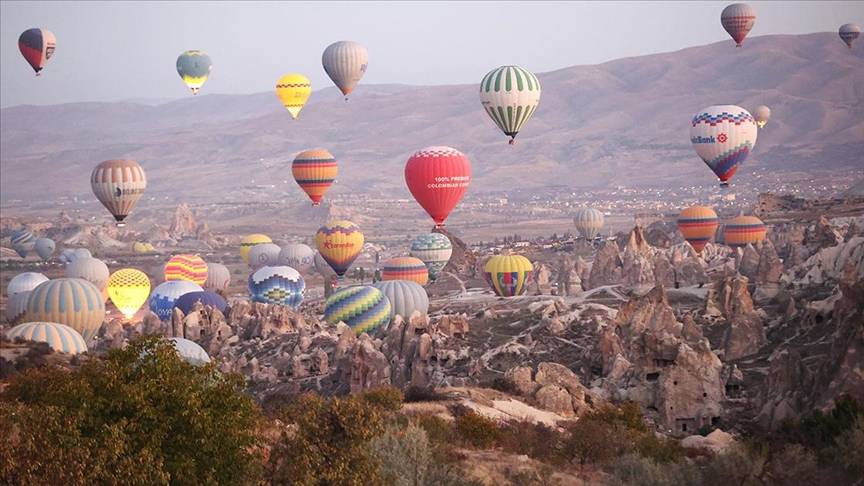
<point x="555" y="399"/>
<point x="540" y="284"/>
<point x="183" y="223"/>
<point x="717" y="441"/>
<point x="557" y="374"/>
<point x="607" y="267"/>
<point x="521" y="379"/>
<point x="749" y="262"/>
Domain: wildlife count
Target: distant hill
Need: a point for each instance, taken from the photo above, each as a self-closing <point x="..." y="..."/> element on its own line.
<point x="621" y="122"/>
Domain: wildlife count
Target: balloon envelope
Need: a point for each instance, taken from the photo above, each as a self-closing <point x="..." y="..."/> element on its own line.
<point x="45" y="248"/>
<point x="164" y="296"/>
<point x="90" y="269"/>
<point x="849" y="32"/>
<point x="194" y="68"/>
<point x="738" y="19"/>
<point x="438" y="177"/>
<point x="186" y="301"/>
<point x="314" y="171"/>
<point x="118" y="184"/>
<point x="59" y="337"/>
<point x="128" y="289"/>
<point x="434" y="249"/>
<point x="23" y="241"/>
<point x="297" y="256"/>
<point x="510" y="96"/>
<point x="71" y="301"/>
<point x="723" y="137"/>
<point x="362" y="308"/>
<point x="248" y="242"/>
<point x="345" y="62"/>
<point x="508" y="275"/>
<point x="16" y="306"/>
<point x="191" y="268"/>
<point x="293" y="91"/>
<point x="406" y="268"/>
<point x="762" y="114"/>
<point x="743" y="231"/>
<point x="405" y="297"/>
<point x="264" y="255"/>
<point x="190" y="351"/>
<point x="24" y="282"/>
<point x="37" y="46"/>
<point x="277" y="285"/>
<point x="698" y="224"/>
<point x="339" y="243"/>
<point x="588" y="222"/>
<point x="218" y="277"/>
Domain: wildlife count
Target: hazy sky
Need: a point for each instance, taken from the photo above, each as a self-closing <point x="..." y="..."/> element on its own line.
<point x="127" y="50"/>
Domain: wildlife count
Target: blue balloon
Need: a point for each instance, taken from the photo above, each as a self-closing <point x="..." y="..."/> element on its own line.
<point x="186" y="301"/>
<point x="277" y="285"/>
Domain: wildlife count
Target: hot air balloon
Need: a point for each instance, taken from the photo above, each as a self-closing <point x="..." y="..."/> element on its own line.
<point x="37" y="46"/>
<point x="345" y="62"/>
<point x="297" y="256"/>
<point x="118" y="184"/>
<point x="191" y="268"/>
<point x="293" y="91"/>
<point x="588" y="222"/>
<point x="71" y="301"/>
<point x="45" y="248"/>
<point x="361" y="307"/>
<point x="698" y="224"/>
<point x="190" y="351"/>
<point x="322" y="267"/>
<point x="186" y="301"/>
<point x="314" y="171"/>
<point x="59" y="337"/>
<point x="405" y="297"/>
<point x="128" y="289"/>
<point x="22" y="242"/>
<point x="194" y="67"/>
<point x="69" y="254"/>
<point x="434" y="250"/>
<point x="438" y="178"/>
<point x="16" y="306"/>
<point x="24" y="282"/>
<point x="264" y="255"/>
<point x="762" y="114"/>
<point x="218" y="277"/>
<point x="277" y="285"/>
<point x="406" y="268"/>
<point x="508" y="275"/>
<point x="743" y="231"/>
<point x="510" y="95"/>
<point x="738" y="19"/>
<point x="248" y="242"/>
<point x="164" y="296"/>
<point x="90" y="269"/>
<point x="139" y="247"/>
<point x="849" y="32"/>
<point x="723" y="136"/>
<point x="339" y="243"/>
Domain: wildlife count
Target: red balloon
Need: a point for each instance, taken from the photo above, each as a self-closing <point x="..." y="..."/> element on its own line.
<point x="438" y="178"/>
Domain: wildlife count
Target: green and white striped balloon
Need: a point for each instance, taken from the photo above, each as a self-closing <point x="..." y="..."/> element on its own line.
<point x="510" y="95"/>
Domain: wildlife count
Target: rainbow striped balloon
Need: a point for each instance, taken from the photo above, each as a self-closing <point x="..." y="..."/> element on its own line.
<point x="191" y="268"/>
<point x="314" y="171"/>
<point x="60" y="337"/>
<point x="362" y="308"/>
<point x="74" y="302"/>
<point x="744" y="230"/>
<point x="698" y="224"/>
<point x="508" y="275"/>
<point x="406" y="268"/>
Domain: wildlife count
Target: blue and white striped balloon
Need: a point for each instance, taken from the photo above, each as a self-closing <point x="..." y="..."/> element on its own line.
<point x="60" y="337"/>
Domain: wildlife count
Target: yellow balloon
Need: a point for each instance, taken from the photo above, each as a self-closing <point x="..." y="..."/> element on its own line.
<point x="508" y="275"/>
<point x="293" y="91"/>
<point x="339" y="243"/>
<point x="248" y="242"/>
<point x="128" y="289"/>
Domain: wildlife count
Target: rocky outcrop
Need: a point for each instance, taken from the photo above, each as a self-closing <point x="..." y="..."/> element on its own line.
<point x="183" y="223"/>
<point x="553" y="387"/>
<point x="569" y="278"/>
<point x="607" y="266"/>
<point x="540" y="283"/>
<point x="744" y="332"/>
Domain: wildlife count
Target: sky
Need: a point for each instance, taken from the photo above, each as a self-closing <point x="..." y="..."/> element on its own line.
<point x="109" y="51"/>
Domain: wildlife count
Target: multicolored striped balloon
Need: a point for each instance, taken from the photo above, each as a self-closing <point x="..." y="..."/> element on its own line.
<point x="191" y="268"/>
<point x="345" y="62"/>
<point x="406" y="268"/>
<point x="37" y="46"/>
<point x="588" y="221"/>
<point x="743" y="231"/>
<point x="118" y="184"/>
<point x="723" y="136"/>
<point x="218" y="277"/>
<point x="59" y="337"/>
<point x="314" y="171"/>
<point x="339" y="243"/>
<point x="248" y="242"/>
<point x="738" y="19"/>
<point x="277" y="285"/>
<point x="166" y="294"/>
<point x="74" y="302"/>
<point x="294" y="91"/>
<point x="434" y="250"/>
<point x="405" y="297"/>
<point x="362" y="308"/>
<point x="194" y="68"/>
<point x="510" y="95"/>
<point x="128" y="289"/>
<point x="508" y="275"/>
<point x="698" y="224"/>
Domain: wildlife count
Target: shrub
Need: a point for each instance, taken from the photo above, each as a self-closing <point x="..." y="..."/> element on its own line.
<point x="636" y="470"/>
<point x="386" y="397"/>
<point x="594" y="440"/>
<point x="740" y="464"/>
<point x="140" y="416"/>
<point x="659" y="449"/>
<point x="794" y="464"/>
<point x="437" y="429"/>
<point x="475" y="430"/>
<point x="404" y="454"/>
<point x="535" y="440"/>
<point x="423" y="394"/>
<point x="850" y="448"/>
<point x="542" y="476"/>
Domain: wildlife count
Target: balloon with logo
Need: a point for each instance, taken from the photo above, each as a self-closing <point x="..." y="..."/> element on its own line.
<point x="248" y="242"/>
<point x="588" y="222"/>
<point x="194" y="68"/>
<point x="45" y="248"/>
<point x="848" y="33"/>
<point x="438" y="177"/>
<point x="738" y="19"/>
<point x="345" y="62"/>
<point x="297" y="256"/>
<point x="405" y="297"/>
<point x="118" y="184"/>
<point x="90" y="269"/>
<point x="59" y="337"/>
<point x="164" y="296"/>
<point x="762" y="114"/>
<point x="191" y="268"/>
<point x="434" y="250"/>
<point x="339" y="243"/>
<point x="293" y="91"/>
<point x="508" y="275"/>
<point x="218" y="277"/>
<point x="324" y="268"/>
<point x="37" y="46"/>
<point x="510" y="95"/>
<point x="723" y="137"/>
<point x="405" y="268"/>
<point x="314" y="171"/>
<point x="128" y="289"/>
<point x="264" y="255"/>
<point x="74" y="302"/>
<point x="277" y="285"/>
<point x="698" y="224"/>
<point x="743" y="231"/>
<point x="362" y="308"/>
<point x="23" y="241"/>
